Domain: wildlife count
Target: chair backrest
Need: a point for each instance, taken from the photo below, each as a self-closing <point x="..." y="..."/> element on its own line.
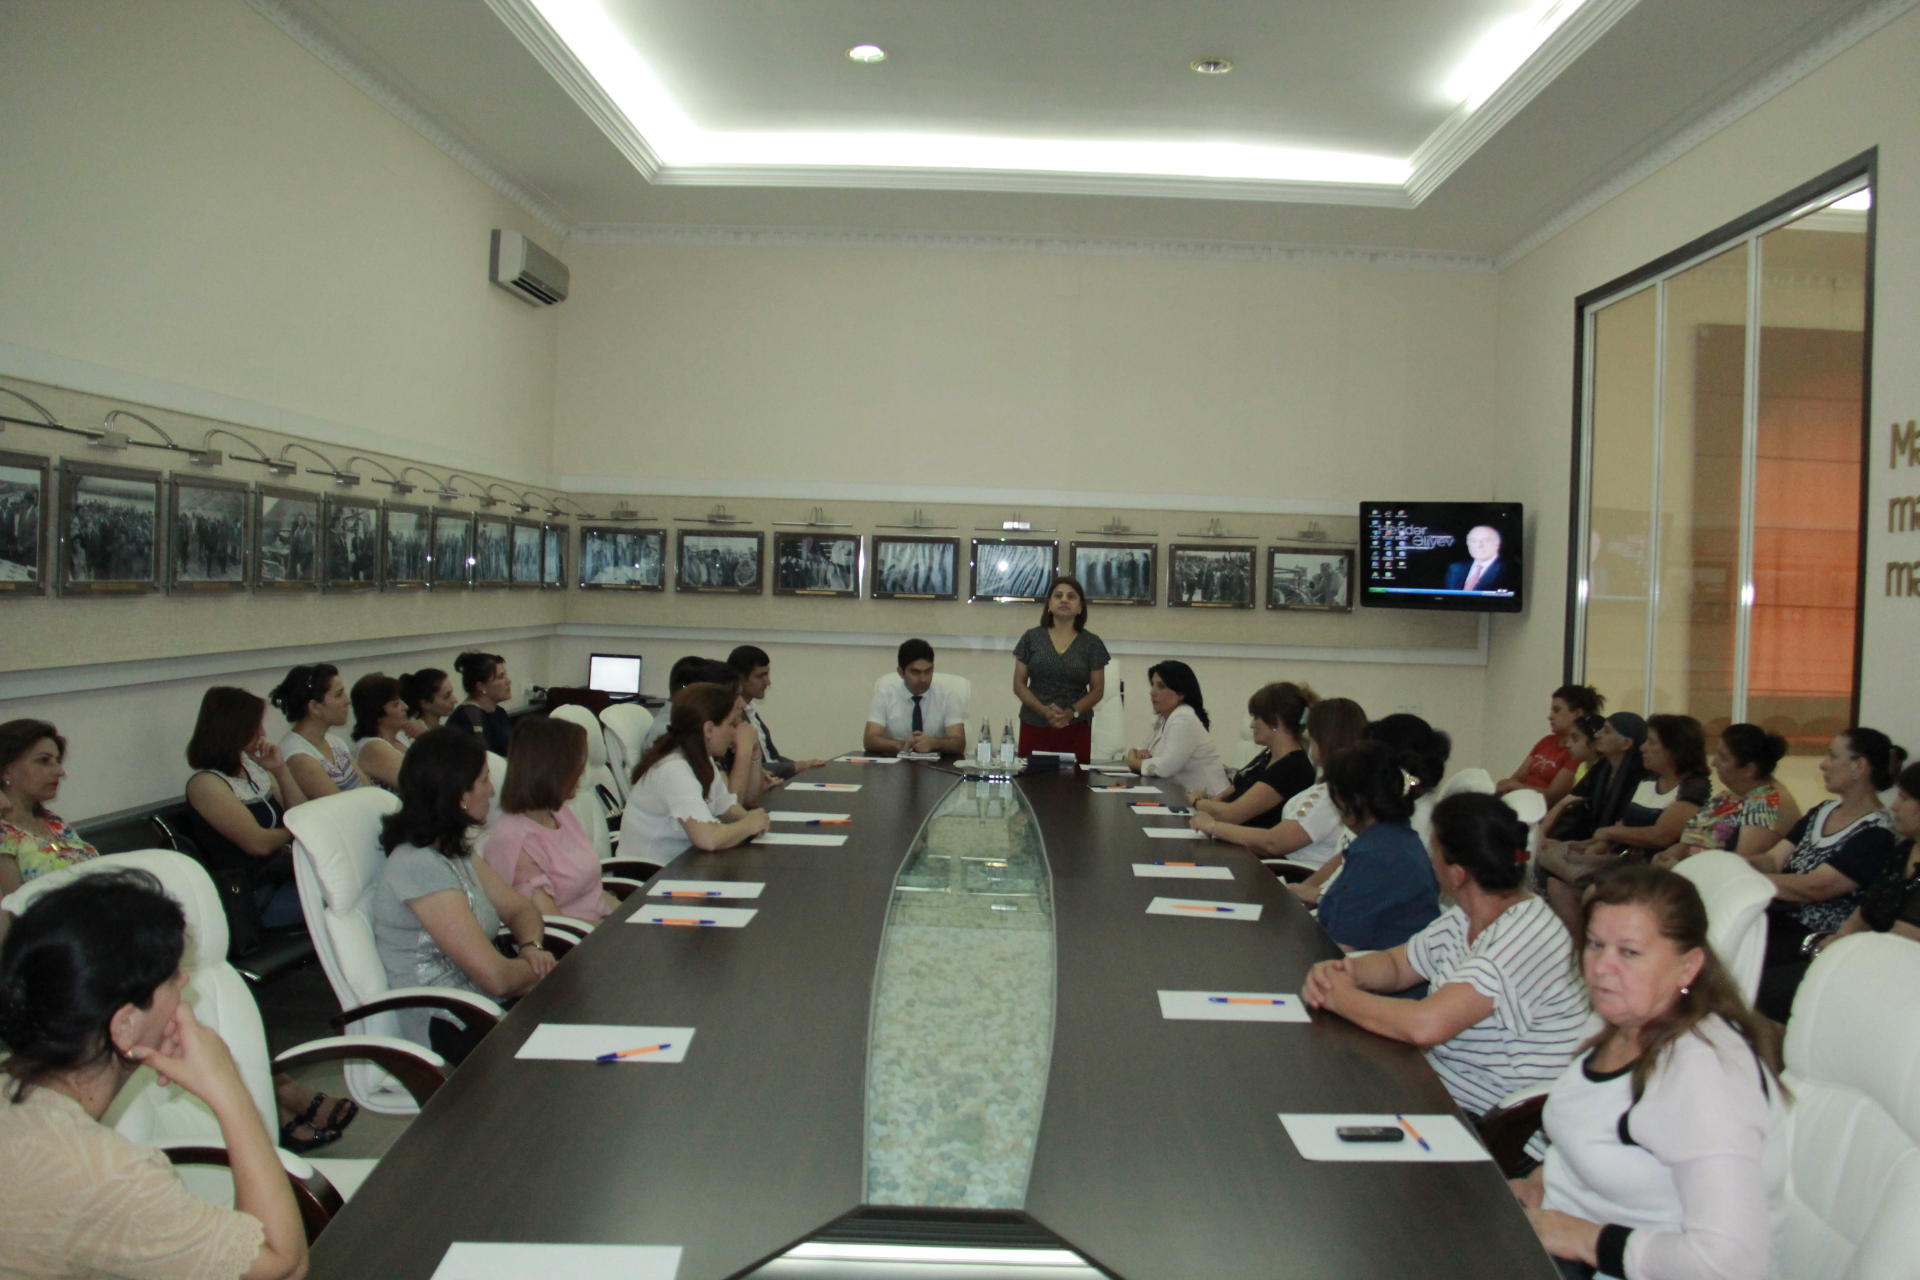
<point x="1736" y="897"/>
<point x="586" y="806"/>
<point x="1853" y="1063"/>
<point x="1466" y="780"/>
<point x="626" y="723"/>
<point x="1530" y="807"/>
<point x="337" y="862"/>
<point x="600" y="764"/>
<point x="1109" y="720"/>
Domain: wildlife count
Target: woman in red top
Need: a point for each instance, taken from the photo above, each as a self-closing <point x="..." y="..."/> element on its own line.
<point x="1550" y="766"/>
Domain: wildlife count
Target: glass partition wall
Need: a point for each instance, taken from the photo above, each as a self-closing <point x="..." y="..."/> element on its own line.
<point x="1719" y="474"/>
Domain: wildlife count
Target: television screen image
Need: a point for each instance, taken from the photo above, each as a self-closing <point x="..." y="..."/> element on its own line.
<point x="1441" y="555"/>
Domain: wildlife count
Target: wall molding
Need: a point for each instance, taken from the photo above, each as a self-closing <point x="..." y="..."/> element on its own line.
<point x="1782" y="78"/>
<point x="721" y="490"/>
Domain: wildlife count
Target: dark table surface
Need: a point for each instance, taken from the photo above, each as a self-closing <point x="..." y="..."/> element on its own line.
<point x="1159" y="1154"/>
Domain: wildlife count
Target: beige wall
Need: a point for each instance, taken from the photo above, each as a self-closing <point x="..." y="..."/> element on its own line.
<point x="1861" y="99"/>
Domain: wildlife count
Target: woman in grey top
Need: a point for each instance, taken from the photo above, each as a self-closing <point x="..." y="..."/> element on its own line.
<point x="1059" y="675"/>
<point x="437" y="907"/>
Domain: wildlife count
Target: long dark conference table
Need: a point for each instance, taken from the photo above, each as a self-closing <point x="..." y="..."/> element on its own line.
<point x="1155" y="1152"/>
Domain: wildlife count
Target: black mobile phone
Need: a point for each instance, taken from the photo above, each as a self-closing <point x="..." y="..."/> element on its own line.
<point x="1370" y="1133"/>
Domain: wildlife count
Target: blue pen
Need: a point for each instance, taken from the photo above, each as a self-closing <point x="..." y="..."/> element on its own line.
<point x="827" y="822"/>
<point x="693" y="893"/>
<point x="631" y="1053"/>
<point x="1415" y="1132"/>
<point x="1183" y="906"/>
<point x="1240" y="1000"/>
<point x="687" y="923"/>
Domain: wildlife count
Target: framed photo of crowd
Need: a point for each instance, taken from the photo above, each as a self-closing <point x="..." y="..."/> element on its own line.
<point x="553" y="557"/>
<point x="1210" y="577"/>
<point x="109" y="525"/>
<point x="286" y="539"/>
<point x="1012" y="570"/>
<point x="1316" y="578"/>
<point x="524" y="571"/>
<point x="492" y="551"/>
<point x="915" y="567"/>
<point x="813" y="564"/>
<point x="618" y="558"/>
<point x="1116" y="572"/>
<point x="25" y="485"/>
<point x="407" y="536"/>
<point x="719" y="563"/>
<point x="206" y="534"/>
<point x="452" y="549"/>
<point x="351" y="560"/>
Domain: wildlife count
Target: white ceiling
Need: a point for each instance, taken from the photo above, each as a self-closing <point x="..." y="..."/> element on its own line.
<point x="1616" y="85"/>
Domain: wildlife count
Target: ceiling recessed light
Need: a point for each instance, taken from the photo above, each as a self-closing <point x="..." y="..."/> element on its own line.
<point x="1212" y="66"/>
<point x="867" y="53"/>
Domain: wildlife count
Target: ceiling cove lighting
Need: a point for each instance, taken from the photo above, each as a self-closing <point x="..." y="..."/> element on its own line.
<point x="867" y="53"/>
<point x="604" y="50"/>
<point x="1503" y="49"/>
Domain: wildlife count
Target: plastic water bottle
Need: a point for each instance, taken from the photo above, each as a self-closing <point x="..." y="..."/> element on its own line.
<point x="983" y="749"/>
<point x="1006" y="745"/>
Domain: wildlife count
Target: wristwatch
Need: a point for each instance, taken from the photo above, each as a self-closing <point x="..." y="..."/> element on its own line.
<point x="535" y="945"/>
<point x="1810" y="944"/>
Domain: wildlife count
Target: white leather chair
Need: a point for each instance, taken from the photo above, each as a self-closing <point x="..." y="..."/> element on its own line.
<point x="337" y="860"/>
<point x="1110" y="717"/>
<point x="600" y="775"/>
<point x="1736" y="897"/>
<point x="1465" y="780"/>
<point x="1530" y="807"/>
<point x="1853" y="1063"/>
<point x="626" y="724"/>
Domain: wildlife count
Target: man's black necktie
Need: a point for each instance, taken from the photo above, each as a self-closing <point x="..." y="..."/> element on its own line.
<point x="919" y="725"/>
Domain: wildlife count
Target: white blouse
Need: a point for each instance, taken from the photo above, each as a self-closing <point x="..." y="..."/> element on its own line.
<point x="667" y="794"/>
<point x="1181" y="750"/>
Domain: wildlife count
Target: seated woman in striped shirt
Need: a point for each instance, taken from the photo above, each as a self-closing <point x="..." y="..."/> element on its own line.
<point x="1506" y="1010"/>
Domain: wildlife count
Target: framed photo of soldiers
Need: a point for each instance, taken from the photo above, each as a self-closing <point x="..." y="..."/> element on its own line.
<point x="618" y="558"/>
<point x="492" y="551"/>
<point x="1210" y="577"/>
<point x="1012" y="570"/>
<point x="524" y="571"/>
<point x="814" y="564"/>
<point x="452" y="549"/>
<point x="553" y="557"/>
<point x="351" y="559"/>
<point x="25" y="483"/>
<point x="207" y="534"/>
<point x="719" y="563"/>
<point x="286" y="539"/>
<point x="915" y="567"/>
<point x="109" y="530"/>
<point x="408" y="536"/>
<point x="1316" y="578"/>
<point x="1116" y="572"/>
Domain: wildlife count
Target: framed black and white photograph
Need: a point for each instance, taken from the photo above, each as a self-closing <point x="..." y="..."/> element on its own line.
<point x="207" y="534"/>
<point x="815" y="564"/>
<point x="1210" y="577"/>
<point x="24" y="489"/>
<point x="452" y="549"/>
<point x="351" y="561"/>
<point x="719" y="563"/>
<point x="617" y="558"/>
<point x="286" y="539"/>
<point x="409" y="546"/>
<point x="553" y="557"/>
<point x="1116" y="572"/>
<point x="915" y="567"/>
<point x="492" y="551"/>
<point x="1013" y="570"/>
<point x="1319" y="578"/>
<point x="524" y="571"/>
<point x="109" y="529"/>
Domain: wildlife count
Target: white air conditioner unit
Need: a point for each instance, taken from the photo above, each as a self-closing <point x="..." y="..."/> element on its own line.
<point x="527" y="271"/>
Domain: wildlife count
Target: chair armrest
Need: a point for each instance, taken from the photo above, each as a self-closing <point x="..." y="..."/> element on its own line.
<point x="420" y="1071"/>
<point x="474" y="1011"/>
<point x="315" y="1196"/>
<point x="620" y="886"/>
<point x="638" y="868"/>
<point x="1287" y="869"/>
<point x="572" y="926"/>
<point x="1506" y="1130"/>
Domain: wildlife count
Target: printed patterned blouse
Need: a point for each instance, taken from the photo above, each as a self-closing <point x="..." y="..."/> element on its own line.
<point x="36" y="854"/>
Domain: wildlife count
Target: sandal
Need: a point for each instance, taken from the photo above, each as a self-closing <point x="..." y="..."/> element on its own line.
<point x="341" y="1114"/>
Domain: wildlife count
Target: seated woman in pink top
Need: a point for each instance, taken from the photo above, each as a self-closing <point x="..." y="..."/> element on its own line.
<point x="537" y="845"/>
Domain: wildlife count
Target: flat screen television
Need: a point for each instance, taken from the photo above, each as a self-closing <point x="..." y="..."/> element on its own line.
<point x="615" y="673"/>
<point x="1442" y="555"/>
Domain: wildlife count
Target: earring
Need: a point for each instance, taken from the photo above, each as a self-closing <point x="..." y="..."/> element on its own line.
<point x="1685" y="990"/>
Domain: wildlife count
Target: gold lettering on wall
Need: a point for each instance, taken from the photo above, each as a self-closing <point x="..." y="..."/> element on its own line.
<point x="1906" y="443"/>
<point x="1903" y="514"/>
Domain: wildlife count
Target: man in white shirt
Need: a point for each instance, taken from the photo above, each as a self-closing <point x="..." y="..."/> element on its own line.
<point x="915" y="710"/>
<point x="756" y="677"/>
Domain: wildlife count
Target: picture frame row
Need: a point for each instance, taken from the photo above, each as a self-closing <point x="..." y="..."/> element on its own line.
<point x="121" y="530"/>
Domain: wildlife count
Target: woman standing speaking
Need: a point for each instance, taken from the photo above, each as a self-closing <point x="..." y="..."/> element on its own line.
<point x="1059" y="675"/>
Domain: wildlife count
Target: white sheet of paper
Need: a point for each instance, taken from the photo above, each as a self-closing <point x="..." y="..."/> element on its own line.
<point x="477" y="1260"/>
<point x="1182" y="873"/>
<point x="1313" y="1136"/>
<point x="796" y="837"/>
<point x="822" y="786"/>
<point x="720" y="917"/>
<point x="1229" y="1006"/>
<point x="866" y="759"/>
<point x="586" y="1041"/>
<point x="1122" y="789"/>
<point x="1151" y="809"/>
<point x="706" y="888"/>
<point x="1201" y="909"/>
<point x="1173" y="833"/>
<point x="802" y="815"/>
